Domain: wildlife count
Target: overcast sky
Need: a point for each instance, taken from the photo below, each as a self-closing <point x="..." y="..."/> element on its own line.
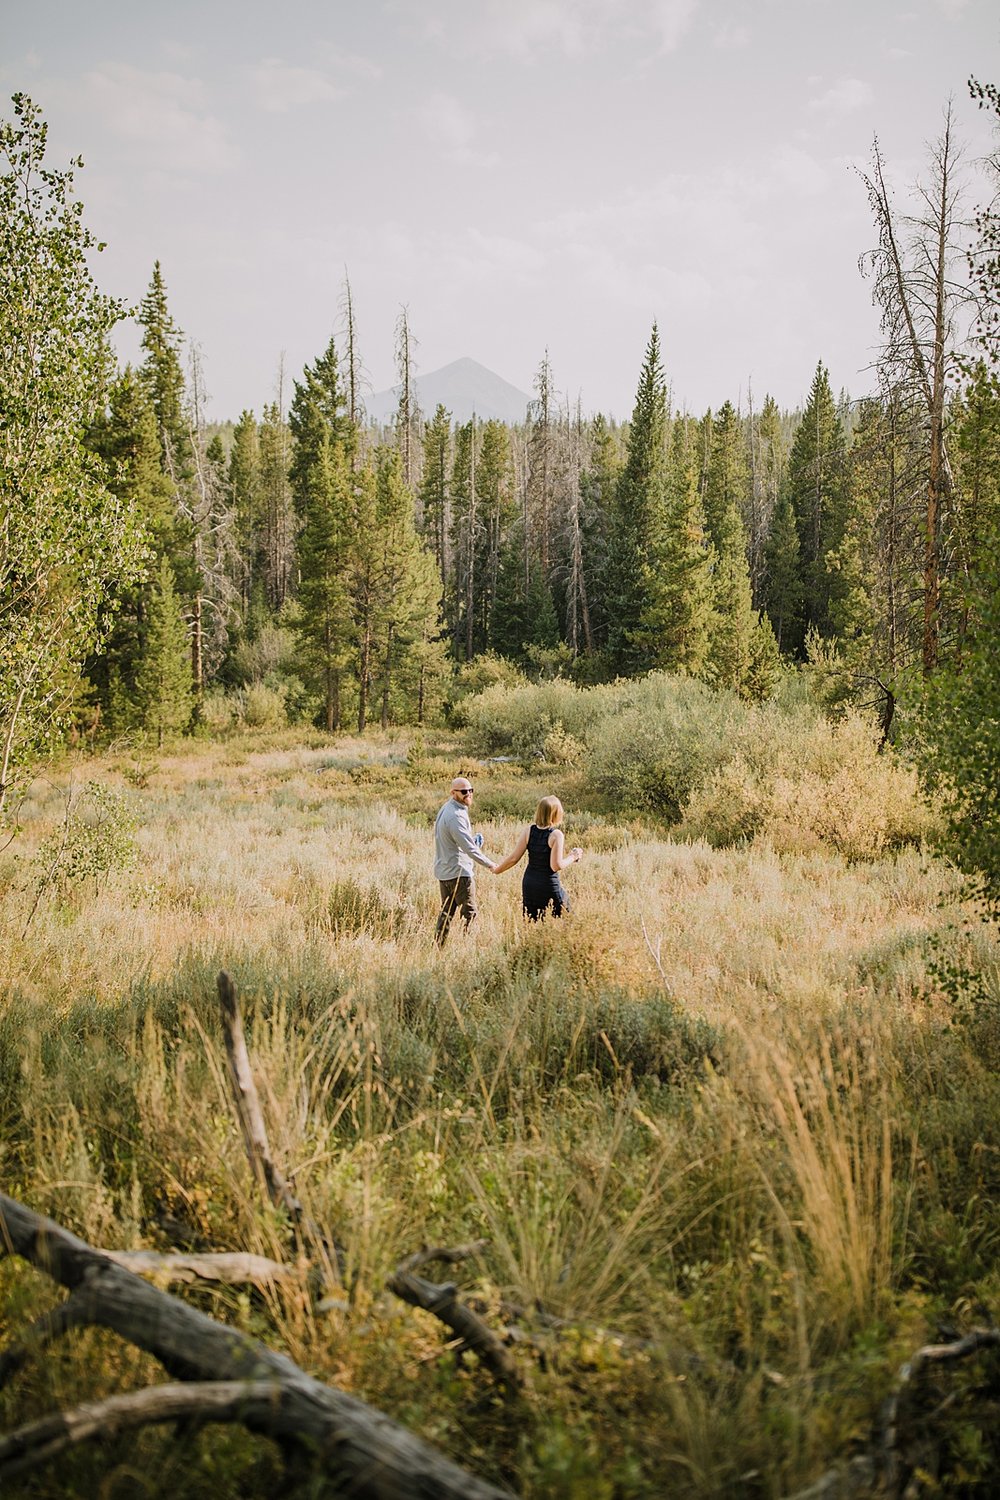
<point x="522" y="174"/>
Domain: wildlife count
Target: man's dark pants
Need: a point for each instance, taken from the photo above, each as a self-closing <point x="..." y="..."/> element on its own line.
<point x="458" y="895"/>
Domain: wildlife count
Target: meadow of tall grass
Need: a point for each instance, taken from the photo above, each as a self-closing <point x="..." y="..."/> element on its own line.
<point x="728" y="1131"/>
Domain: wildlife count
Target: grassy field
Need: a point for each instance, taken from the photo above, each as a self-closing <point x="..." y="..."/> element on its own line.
<point x="730" y="1125"/>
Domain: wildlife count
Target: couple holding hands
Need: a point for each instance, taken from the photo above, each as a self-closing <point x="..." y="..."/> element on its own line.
<point x="456" y="849"/>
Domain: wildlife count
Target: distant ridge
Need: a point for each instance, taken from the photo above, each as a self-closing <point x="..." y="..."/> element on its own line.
<point x="463" y="387"/>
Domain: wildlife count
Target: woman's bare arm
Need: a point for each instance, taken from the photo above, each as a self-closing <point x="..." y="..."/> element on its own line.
<point x="559" y="857"/>
<point x="514" y="855"/>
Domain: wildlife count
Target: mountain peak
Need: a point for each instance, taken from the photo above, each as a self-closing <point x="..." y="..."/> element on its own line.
<point x="465" y="388"/>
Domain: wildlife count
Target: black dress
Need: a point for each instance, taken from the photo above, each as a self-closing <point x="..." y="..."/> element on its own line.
<point x="541" y="886"/>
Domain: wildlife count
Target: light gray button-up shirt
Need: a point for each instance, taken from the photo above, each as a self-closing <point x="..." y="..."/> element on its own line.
<point x="454" y="846"/>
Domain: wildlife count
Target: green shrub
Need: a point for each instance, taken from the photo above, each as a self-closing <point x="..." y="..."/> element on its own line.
<point x="719" y="769"/>
<point x="262" y="707"/>
<point x="96" y="839"/>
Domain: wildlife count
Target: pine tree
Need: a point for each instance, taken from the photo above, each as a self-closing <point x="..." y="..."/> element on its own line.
<point x="318" y="413"/>
<point x="407" y="409"/>
<point x="816" y="488"/>
<point x="524" y="615"/>
<point x="125" y="437"/>
<point x="466" y="529"/>
<point x="365" y="583"/>
<point x="163" y="687"/>
<point x="638" y="518"/>
<point x="726" y="484"/>
<point x="874" y="622"/>
<point x="497" y="509"/>
<point x="163" y="377"/>
<point x="734" y="621"/>
<point x="245" y="491"/>
<point x="409" y="596"/>
<point x="783" y="588"/>
<point x="677" y="624"/>
<point x="433" y="491"/>
<point x="324" y="622"/>
<point x="277" y="508"/>
<point x="768" y="462"/>
<point x="579" y="631"/>
<point x="598" y="483"/>
<point x="205" y="505"/>
<point x="541" y="477"/>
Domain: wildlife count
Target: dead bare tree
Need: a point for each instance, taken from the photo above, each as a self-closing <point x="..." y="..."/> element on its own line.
<point x="203" y="502"/>
<point x="353" y="368"/>
<point x="407" y="409"/>
<point x="917" y="286"/>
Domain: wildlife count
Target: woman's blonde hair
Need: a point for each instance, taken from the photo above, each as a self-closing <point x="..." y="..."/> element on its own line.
<point x="548" y="812"/>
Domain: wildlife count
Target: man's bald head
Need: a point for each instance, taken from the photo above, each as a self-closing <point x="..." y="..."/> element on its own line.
<point x="461" y="789"/>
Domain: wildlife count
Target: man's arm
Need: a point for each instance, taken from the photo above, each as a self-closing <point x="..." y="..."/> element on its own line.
<point x="462" y="831"/>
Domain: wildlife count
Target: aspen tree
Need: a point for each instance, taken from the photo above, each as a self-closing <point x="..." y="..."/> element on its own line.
<point x="68" y="544"/>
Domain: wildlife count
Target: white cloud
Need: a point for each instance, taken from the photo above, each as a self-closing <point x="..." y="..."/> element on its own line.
<point x="452" y="128"/>
<point x="447" y="122"/>
<point x="843" y="98"/>
<point x="281" y="86"/>
<point x="670" y="19"/>
<point x="795" y="170"/>
<point x="162" y="117"/>
<point x="533" y="29"/>
<point x="730" y="37"/>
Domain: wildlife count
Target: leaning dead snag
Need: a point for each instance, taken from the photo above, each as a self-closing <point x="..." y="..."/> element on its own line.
<point x="440" y="1299"/>
<point x="360" y="1450"/>
<point x="251" y="1116"/>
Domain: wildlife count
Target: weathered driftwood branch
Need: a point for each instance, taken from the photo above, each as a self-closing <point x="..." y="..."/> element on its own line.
<point x="448" y="1255"/>
<point x="844" y="1482"/>
<point x="364" y="1452"/>
<point x="251" y="1116"/>
<point x="440" y="1299"/>
<point x="858" y="1475"/>
<point x="915" y="1367"/>
<point x="232" y="1268"/>
<point x="205" y="1401"/>
<point x="44" y="1331"/>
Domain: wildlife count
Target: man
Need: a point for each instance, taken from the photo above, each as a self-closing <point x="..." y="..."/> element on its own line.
<point x="455" y="849"/>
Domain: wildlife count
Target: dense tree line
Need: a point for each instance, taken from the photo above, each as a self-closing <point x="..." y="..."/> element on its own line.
<point x="346" y="569"/>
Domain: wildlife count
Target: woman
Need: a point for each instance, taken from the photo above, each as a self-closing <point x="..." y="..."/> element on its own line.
<point x="541" y="887"/>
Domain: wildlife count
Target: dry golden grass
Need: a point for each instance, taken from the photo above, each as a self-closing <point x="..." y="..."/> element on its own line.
<point x="686" y="1118"/>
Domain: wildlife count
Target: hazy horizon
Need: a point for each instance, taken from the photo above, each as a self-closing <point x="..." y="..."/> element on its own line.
<point x="524" y="176"/>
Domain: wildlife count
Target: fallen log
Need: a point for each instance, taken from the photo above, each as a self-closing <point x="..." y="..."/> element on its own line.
<point x="216" y="1401"/>
<point x="360" y="1450"/>
<point x="231" y="1268"/>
